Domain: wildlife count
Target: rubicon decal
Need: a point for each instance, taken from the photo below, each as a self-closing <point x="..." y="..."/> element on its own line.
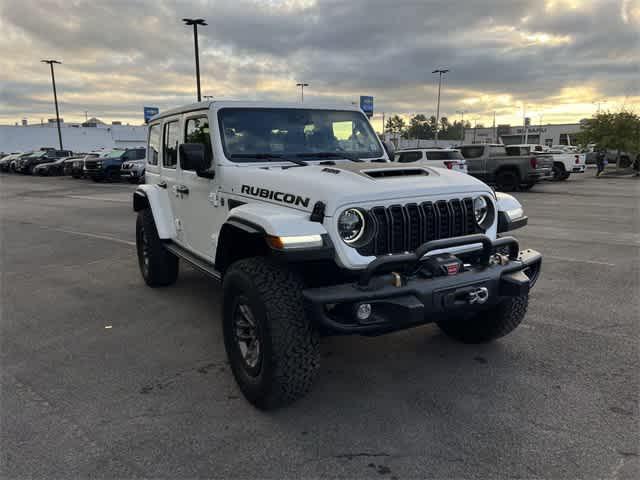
<point x="277" y="196"/>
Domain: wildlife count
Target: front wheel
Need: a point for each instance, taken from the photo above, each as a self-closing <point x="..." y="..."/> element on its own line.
<point x="159" y="267"/>
<point x="272" y="347"/>
<point x="489" y="324"/>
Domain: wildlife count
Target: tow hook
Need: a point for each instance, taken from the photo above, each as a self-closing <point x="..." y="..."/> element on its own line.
<point x="478" y="296"/>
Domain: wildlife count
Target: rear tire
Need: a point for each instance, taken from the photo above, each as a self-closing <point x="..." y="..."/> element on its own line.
<point x="286" y="362"/>
<point x="158" y="266"/>
<point x="507" y="181"/>
<point x="489" y="324"/>
<point x="558" y="172"/>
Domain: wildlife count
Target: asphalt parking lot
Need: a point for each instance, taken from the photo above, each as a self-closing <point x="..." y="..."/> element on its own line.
<point x="103" y="376"/>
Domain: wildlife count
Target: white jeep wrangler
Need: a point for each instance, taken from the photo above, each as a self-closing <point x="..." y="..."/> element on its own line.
<point x="296" y="210"/>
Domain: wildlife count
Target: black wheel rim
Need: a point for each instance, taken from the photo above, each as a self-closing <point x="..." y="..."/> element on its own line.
<point x="143" y="252"/>
<point x="246" y="332"/>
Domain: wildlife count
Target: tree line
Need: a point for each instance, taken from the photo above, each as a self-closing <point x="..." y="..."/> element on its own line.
<point x="423" y="128"/>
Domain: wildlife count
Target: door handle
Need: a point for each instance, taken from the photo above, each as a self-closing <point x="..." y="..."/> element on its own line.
<point x="162" y="184"/>
<point x="182" y="189"/>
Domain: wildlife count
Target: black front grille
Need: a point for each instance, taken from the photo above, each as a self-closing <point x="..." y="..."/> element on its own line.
<point x="91" y="164"/>
<point x="403" y="228"/>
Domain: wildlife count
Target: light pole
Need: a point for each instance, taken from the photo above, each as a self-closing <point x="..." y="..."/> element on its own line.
<point x="461" y="112"/>
<point x="195" y="22"/>
<point x="440" y="72"/>
<point x="599" y="103"/>
<point x="302" y="85"/>
<point x="55" y="96"/>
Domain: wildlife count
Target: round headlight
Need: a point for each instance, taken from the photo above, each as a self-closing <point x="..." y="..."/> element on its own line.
<point x="351" y="225"/>
<point x="480" y="209"/>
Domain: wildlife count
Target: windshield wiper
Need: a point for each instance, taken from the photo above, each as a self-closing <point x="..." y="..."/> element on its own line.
<point x="270" y="157"/>
<point x="346" y="155"/>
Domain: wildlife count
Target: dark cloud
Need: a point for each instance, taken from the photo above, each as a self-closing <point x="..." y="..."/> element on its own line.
<point x="119" y="55"/>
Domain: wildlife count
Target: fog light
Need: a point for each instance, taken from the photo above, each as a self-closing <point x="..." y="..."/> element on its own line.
<point x="363" y="311"/>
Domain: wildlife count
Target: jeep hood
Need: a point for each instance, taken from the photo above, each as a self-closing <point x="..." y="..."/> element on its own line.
<point x="347" y="183"/>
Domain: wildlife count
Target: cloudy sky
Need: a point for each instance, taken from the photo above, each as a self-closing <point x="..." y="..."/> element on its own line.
<point x="557" y="57"/>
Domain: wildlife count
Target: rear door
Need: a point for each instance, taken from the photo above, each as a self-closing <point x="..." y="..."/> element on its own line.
<point x="170" y="178"/>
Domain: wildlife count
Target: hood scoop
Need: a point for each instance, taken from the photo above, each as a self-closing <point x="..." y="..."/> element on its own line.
<point x="396" y="172"/>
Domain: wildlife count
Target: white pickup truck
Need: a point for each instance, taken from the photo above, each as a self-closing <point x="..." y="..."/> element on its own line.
<point x="565" y="160"/>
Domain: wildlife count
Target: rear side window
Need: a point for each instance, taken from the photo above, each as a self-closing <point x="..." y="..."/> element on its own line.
<point x="154" y="144"/>
<point x="407" y="157"/>
<point x="497" y="150"/>
<point x="472" y="151"/>
<point x="444" y="156"/>
<point x="514" y="151"/>
<point x="170" y="148"/>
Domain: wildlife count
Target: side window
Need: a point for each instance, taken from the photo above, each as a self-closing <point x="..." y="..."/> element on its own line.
<point x="154" y="144"/>
<point x="497" y="150"/>
<point x="170" y="146"/>
<point x="472" y="151"/>
<point x="407" y="157"/>
<point x="139" y="154"/>
<point x="197" y="131"/>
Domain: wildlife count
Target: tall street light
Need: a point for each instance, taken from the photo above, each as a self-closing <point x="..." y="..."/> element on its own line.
<point x="440" y="72"/>
<point x="302" y="85"/>
<point x="55" y="96"/>
<point x="195" y="22"/>
<point x="461" y="112"/>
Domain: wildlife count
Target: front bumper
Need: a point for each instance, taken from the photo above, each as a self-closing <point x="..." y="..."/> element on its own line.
<point x="405" y="297"/>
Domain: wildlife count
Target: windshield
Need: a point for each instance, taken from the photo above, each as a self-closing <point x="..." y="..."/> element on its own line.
<point x="113" y="154"/>
<point x="250" y="132"/>
<point x="444" y="155"/>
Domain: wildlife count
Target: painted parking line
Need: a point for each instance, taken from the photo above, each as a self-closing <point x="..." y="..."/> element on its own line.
<point x="100" y="199"/>
<point x="576" y="260"/>
<point x="91" y="235"/>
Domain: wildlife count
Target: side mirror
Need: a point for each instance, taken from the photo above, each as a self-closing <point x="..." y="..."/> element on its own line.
<point x="193" y="156"/>
<point x="390" y="148"/>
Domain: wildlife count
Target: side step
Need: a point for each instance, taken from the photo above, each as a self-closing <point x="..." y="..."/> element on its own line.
<point x="200" y="263"/>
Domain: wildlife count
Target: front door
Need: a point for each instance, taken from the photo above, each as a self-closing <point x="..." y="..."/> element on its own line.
<point x="200" y="208"/>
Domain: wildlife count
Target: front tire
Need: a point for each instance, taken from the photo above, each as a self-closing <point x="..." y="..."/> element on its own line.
<point x="489" y="324"/>
<point x="272" y="347"/>
<point x="158" y="266"/>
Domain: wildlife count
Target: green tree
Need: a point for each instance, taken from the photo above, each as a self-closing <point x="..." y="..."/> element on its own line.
<point x="418" y="127"/>
<point x="396" y="126"/>
<point x="613" y="131"/>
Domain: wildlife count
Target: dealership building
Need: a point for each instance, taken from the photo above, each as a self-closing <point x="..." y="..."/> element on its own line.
<point x="86" y="137"/>
<point x="562" y="134"/>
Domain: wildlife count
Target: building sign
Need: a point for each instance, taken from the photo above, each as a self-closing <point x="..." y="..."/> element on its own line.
<point x="366" y="105"/>
<point x="150" y="112"/>
<point x="532" y="130"/>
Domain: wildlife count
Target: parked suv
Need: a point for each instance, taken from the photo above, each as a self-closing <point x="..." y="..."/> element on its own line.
<point x="75" y="166"/>
<point x="107" y="167"/>
<point x="297" y="211"/>
<point x="435" y="157"/>
<point x="133" y="171"/>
